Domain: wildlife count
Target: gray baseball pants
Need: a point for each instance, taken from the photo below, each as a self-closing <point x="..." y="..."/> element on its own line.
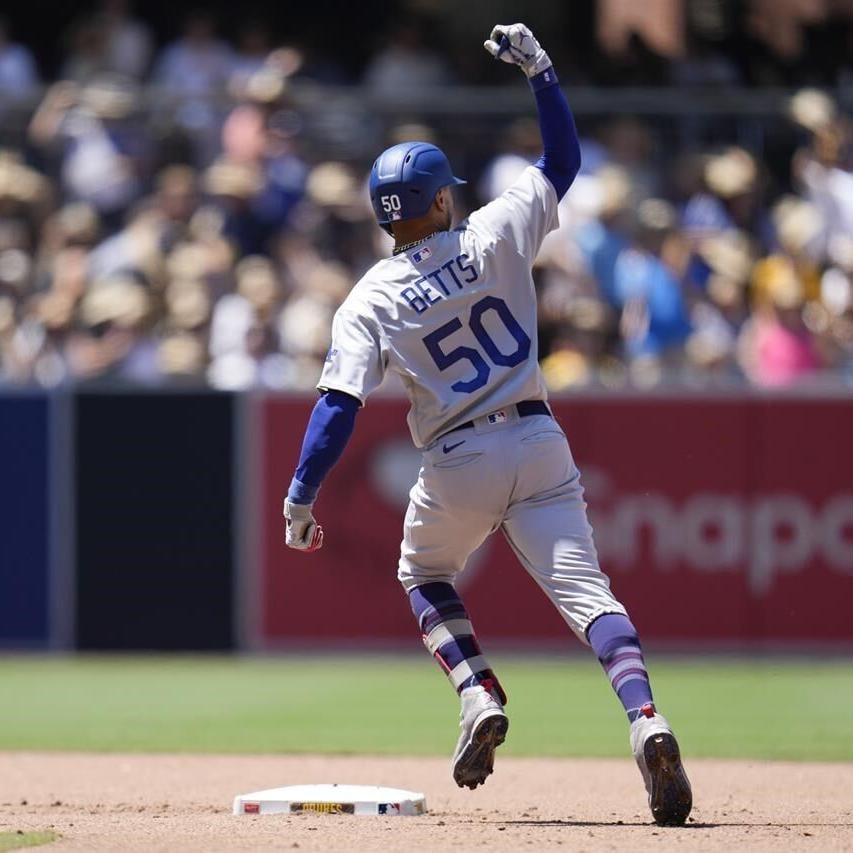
<point x="517" y="475"/>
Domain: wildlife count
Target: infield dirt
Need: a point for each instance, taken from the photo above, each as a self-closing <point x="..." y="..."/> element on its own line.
<point x="175" y="802"/>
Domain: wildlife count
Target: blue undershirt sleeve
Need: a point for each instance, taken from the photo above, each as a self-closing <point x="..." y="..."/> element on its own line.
<point x="329" y="429"/>
<point x="561" y="158"/>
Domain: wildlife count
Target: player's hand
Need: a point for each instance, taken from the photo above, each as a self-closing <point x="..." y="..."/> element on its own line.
<point x="515" y="44"/>
<point x="302" y="532"/>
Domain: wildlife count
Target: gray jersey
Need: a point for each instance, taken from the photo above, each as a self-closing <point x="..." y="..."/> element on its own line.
<point x="455" y="316"/>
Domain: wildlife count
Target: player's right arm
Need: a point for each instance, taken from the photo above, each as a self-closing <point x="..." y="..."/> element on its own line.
<point x="527" y="211"/>
<point x="354" y="367"/>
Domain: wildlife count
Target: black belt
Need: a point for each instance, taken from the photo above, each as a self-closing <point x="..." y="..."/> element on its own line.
<point x="525" y="409"/>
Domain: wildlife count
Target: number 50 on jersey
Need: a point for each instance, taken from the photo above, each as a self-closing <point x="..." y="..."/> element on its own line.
<point x="480" y="309"/>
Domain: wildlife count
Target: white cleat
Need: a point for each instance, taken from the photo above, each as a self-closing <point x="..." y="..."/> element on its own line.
<point x="484" y="726"/>
<point x="657" y="755"/>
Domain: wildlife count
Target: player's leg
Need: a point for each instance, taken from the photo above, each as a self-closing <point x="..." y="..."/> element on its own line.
<point x="547" y="526"/>
<point x="449" y="636"/>
<point x="453" y="508"/>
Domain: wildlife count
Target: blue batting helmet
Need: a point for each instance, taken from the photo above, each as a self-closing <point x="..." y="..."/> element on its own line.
<point x="404" y="180"/>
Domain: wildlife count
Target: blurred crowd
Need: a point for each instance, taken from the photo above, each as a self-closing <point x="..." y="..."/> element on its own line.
<point x="206" y="242"/>
<point x="702" y="274"/>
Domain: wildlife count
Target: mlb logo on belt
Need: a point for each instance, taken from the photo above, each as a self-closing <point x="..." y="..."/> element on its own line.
<point x="496" y="417"/>
<point x="422" y="254"/>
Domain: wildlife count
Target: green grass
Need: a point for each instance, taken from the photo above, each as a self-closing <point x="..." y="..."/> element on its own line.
<point x="727" y="708"/>
<point x="18" y="840"/>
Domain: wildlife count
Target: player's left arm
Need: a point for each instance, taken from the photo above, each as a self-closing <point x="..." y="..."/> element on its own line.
<point x="561" y="156"/>
<point x="528" y="210"/>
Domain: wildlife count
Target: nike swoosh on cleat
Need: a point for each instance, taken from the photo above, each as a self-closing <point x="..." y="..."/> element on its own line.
<point x="447" y="449"/>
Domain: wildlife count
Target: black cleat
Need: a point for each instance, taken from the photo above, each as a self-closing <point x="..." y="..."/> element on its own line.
<point x="659" y="759"/>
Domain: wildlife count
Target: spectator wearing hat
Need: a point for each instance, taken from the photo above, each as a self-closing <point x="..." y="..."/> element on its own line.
<point x="654" y="320"/>
<point x="603" y="239"/>
<point x="113" y="341"/>
<point x="92" y="132"/>
<point x="721" y="309"/>
<point x="730" y="198"/>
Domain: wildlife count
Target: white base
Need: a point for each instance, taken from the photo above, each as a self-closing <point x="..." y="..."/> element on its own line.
<point x="331" y="799"/>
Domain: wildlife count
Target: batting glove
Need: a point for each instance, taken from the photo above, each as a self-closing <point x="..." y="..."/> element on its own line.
<point x="302" y="532"/>
<point x="515" y="44"/>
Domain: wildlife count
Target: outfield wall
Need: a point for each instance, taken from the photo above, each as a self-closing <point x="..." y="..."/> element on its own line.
<point x="154" y="508"/>
<point x="152" y="520"/>
<point x="722" y="521"/>
<point x="117" y="521"/>
<point x="25" y="521"/>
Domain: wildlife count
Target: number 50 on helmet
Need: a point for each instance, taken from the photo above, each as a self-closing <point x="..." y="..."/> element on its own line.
<point x="405" y="179"/>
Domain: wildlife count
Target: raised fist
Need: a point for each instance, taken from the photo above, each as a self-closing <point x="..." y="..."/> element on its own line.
<point x="515" y="44"/>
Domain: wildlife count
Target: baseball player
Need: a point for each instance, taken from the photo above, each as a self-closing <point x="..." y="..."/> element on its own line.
<point x="453" y="313"/>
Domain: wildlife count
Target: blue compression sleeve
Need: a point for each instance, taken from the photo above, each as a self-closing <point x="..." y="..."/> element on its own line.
<point x="329" y="429"/>
<point x="561" y="159"/>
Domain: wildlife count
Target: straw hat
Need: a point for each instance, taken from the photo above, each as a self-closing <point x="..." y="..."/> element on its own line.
<point x="729" y="253"/>
<point x="333" y="184"/>
<point x="264" y="86"/>
<point x="55" y="310"/>
<point x="797" y="222"/>
<point x="614" y="184"/>
<point x="181" y="354"/>
<point x="18" y="182"/>
<point x="655" y="214"/>
<point x="116" y="300"/>
<point x="409" y="130"/>
<point x="285" y="60"/>
<point x="188" y="303"/>
<point x="840" y="251"/>
<point x="236" y="180"/>
<point x="330" y="281"/>
<point x="588" y="315"/>
<point x="257" y="282"/>
<point x="79" y="222"/>
<point x="109" y="96"/>
<point x="812" y="109"/>
<point x="187" y="260"/>
<point x="732" y="173"/>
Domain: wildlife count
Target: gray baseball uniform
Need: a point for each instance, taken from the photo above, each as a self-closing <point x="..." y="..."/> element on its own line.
<point x="455" y="317"/>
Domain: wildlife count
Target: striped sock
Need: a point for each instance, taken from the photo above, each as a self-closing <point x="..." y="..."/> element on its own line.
<point x="615" y="642"/>
<point x="449" y="637"/>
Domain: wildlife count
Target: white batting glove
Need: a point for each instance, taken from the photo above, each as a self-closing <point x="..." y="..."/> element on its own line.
<point x="302" y="532"/>
<point x="515" y="44"/>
